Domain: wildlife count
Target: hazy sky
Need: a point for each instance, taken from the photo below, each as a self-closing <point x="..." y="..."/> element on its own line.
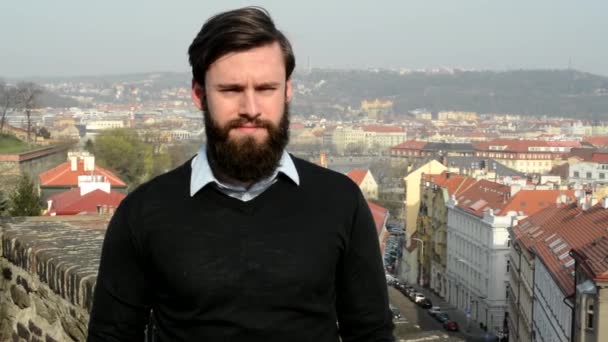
<point x="76" y="37"/>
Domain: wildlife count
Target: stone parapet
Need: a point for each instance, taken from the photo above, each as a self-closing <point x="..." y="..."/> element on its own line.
<point x="49" y="268"/>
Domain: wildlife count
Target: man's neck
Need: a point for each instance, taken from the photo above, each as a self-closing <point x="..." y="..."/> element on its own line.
<point x="222" y="177"/>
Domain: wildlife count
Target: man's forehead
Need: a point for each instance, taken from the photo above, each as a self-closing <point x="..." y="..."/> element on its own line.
<point x="264" y="62"/>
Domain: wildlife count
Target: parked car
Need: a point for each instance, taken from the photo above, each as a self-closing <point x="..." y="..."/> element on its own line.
<point x="401" y="288"/>
<point x="442" y="316"/>
<point x="419" y="297"/>
<point x="390" y="280"/>
<point x="425" y="303"/>
<point x="450" y="325"/>
<point x="434" y="310"/>
<point x="395" y="311"/>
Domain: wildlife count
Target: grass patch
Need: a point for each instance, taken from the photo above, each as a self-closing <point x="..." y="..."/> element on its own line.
<point x="9" y="144"/>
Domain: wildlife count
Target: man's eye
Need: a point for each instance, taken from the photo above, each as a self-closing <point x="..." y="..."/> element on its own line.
<point x="229" y="90"/>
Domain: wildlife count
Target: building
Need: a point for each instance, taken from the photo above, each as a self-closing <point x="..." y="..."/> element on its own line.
<point x="348" y="140"/>
<point x="381" y="216"/>
<point x="380" y="138"/>
<point x="435" y="191"/>
<point x="79" y="201"/>
<point x="591" y="309"/>
<point x="366" y="182"/>
<point x="478" y="246"/>
<point x="529" y="156"/>
<point x="413" y="149"/>
<point x="590" y="173"/>
<point x="542" y="284"/>
<point x="409" y="262"/>
<point x="78" y="170"/>
<point x="377" y="109"/>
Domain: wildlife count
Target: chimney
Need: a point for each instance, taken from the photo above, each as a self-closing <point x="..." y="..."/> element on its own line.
<point x="581" y="201"/>
<point x="593" y="201"/>
<point x="73" y="163"/>
<point x="89" y="163"/>
<point x="605" y="202"/>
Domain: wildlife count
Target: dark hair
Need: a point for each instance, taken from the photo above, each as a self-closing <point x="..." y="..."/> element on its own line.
<point x="236" y="31"/>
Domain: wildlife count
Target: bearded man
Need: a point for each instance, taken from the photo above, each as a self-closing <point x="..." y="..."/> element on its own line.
<point x="244" y="242"/>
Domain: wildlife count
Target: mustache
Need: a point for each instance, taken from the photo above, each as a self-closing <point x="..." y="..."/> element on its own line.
<point x="242" y="121"/>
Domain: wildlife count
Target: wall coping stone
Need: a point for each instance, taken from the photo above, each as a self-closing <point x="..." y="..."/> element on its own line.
<point x="62" y="251"/>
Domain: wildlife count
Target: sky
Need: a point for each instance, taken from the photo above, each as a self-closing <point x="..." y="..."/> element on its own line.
<point x="41" y="38"/>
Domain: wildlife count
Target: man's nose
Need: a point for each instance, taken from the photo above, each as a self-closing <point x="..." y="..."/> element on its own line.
<point x="249" y="105"/>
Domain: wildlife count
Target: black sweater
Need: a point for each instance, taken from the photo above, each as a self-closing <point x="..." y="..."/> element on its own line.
<point x="285" y="266"/>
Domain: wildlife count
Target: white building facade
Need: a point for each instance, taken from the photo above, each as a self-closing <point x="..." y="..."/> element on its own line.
<point x="552" y="318"/>
<point x="477" y="254"/>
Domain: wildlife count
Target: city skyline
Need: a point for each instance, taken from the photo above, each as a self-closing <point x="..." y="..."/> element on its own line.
<point x="74" y="39"/>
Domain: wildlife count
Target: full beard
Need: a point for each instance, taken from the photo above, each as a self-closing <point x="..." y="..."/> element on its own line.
<point x="244" y="159"/>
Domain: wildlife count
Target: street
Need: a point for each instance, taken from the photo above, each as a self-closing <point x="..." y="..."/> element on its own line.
<point x="417" y="325"/>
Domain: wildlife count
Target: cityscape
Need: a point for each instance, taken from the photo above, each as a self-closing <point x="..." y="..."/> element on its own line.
<point x="487" y="186"/>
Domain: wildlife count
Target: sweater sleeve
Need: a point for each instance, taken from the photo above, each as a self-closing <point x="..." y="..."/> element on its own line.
<point x="120" y="307"/>
<point x="361" y="291"/>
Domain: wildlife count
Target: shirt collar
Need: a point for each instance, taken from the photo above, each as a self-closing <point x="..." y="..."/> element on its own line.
<point x="202" y="174"/>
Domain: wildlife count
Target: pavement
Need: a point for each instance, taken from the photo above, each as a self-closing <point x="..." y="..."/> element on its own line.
<point x="473" y="333"/>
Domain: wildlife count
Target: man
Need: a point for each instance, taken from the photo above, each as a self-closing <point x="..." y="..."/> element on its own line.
<point x="244" y="242"/>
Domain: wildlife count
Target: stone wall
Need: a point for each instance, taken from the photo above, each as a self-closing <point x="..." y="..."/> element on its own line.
<point x="48" y="272"/>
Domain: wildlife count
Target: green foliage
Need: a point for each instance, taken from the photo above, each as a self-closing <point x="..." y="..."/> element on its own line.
<point x="25" y="201"/>
<point x="122" y="151"/>
<point x="136" y="158"/>
<point x="88" y="146"/>
<point x="534" y="92"/>
<point x="11" y="144"/>
<point x="44" y="133"/>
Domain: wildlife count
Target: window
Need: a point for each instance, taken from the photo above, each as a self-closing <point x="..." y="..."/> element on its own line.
<point x="602" y="175"/>
<point x="589" y="315"/>
<point x="588" y="175"/>
<point x="576" y="174"/>
<point x="508" y="266"/>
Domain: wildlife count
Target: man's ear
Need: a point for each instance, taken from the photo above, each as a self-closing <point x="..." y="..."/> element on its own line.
<point x="198" y="95"/>
<point x="288" y="90"/>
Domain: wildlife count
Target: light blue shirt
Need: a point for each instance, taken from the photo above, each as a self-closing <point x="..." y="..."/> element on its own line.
<point x="202" y="175"/>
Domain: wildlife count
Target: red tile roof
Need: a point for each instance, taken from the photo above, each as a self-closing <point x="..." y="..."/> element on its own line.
<point x="454" y="183"/>
<point x="597" y="141"/>
<point x="410" y="144"/>
<point x="357" y="175"/>
<point x="380" y="215"/>
<point x="553" y="231"/>
<point x="594" y="258"/>
<point x="484" y="195"/>
<point x="515" y="145"/>
<point x="528" y="202"/>
<point x="600" y="157"/>
<point x="62" y="175"/>
<point x="562" y="143"/>
<point x="72" y="203"/>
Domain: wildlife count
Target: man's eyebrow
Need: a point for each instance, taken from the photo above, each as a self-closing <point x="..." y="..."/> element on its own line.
<point x="268" y="84"/>
<point x="229" y="86"/>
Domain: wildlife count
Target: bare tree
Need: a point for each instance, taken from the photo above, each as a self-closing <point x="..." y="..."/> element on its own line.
<point x="28" y="94"/>
<point x="8" y="100"/>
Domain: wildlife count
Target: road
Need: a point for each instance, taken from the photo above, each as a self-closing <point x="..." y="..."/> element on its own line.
<point x="416" y="324"/>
